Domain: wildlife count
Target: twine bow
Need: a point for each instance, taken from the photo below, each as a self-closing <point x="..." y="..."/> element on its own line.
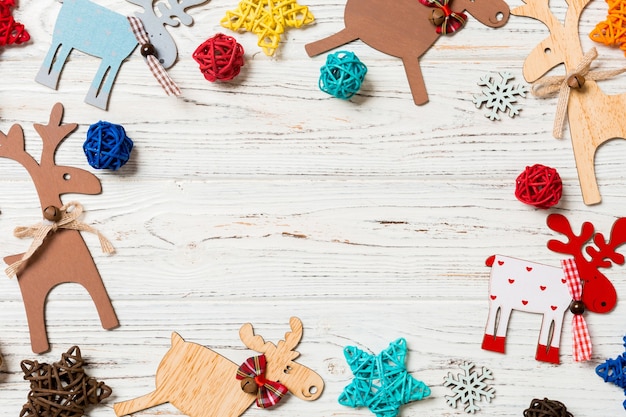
<point x="69" y="220"/>
<point x="582" y="341"/>
<point x="155" y="66"/>
<point x="268" y="393"/>
<point x="547" y="86"/>
<point x="451" y="22"/>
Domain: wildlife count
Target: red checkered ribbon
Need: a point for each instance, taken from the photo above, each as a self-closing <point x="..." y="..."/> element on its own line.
<point x="155" y="66"/>
<point x="269" y="392"/>
<point x="452" y="21"/>
<point x="582" y="341"/>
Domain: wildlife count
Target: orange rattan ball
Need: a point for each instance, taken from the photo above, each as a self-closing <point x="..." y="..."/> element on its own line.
<point x="539" y="186"/>
<point x="220" y="58"/>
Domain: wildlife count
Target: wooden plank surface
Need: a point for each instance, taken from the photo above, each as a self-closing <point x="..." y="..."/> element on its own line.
<point x="264" y="198"/>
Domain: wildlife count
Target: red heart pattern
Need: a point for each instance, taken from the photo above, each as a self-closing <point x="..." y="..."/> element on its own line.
<point x="500" y="263"/>
<point x="493" y="297"/>
<point x="553" y="307"/>
<point x="524" y="302"/>
<point x="542" y="287"/>
<point x="529" y="268"/>
<point x="511" y="280"/>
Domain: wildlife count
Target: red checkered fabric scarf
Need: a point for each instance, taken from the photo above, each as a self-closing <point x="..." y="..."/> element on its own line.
<point x="452" y="21"/>
<point x="269" y="392"/>
<point x="582" y="341"/>
<point x="156" y="68"/>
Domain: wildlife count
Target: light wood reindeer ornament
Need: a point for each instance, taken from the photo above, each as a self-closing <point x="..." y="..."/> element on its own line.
<point x="594" y="117"/>
<point x="202" y="383"/>
<point x="63" y="256"/>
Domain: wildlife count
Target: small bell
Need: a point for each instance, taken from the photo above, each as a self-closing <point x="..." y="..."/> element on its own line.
<point x="437" y="17"/>
<point x="249" y="385"/>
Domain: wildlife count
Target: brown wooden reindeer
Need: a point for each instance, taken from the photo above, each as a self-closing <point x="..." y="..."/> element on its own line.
<point x="401" y="28"/>
<point x="63" y="256"/>
<point x="202" y="383"/>
<point x="594" y="117"/>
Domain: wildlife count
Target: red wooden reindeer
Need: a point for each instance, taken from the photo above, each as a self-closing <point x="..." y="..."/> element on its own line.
<point x="63" y="255"/>
<point x="202" y="383"/>
<point x="401" y="28"/>
<point x="594" y="117"/>
<point x="516" y="284"/>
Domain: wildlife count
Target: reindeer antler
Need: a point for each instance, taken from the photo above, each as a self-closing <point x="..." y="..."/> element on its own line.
<point x="293" y="337"/>
<point x="601" y="257"/>
<point x="539" y="10"/>
<point x="53" y="134"/>
<point x="574" y="245"/>
<point x="606" y="253"/>
<point x="252" y="341"/>
<point x="12" y="147"/>
<point x="177" y="9"/>
<point x="170" y="10"/>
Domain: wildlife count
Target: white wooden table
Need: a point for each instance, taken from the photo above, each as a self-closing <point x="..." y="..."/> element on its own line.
<point x="263" y="198"/>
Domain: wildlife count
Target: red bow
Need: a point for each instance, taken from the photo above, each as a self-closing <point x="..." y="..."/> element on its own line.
<point x="252" y="372"/>
<point x="582" y="341"/>
<point x="452" y="21"/>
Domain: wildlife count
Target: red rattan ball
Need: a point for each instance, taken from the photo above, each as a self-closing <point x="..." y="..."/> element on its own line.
<point x="220" y="58"/>
<point x="540" y="186"/>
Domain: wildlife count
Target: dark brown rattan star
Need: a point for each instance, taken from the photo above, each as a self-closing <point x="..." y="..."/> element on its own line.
<point x="62" y="389"/>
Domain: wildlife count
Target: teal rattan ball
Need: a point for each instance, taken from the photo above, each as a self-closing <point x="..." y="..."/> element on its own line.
<point x="342" y="75"/>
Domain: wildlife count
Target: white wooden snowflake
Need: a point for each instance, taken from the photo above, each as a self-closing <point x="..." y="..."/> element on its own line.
<point x="469" y="387"/>
<point x="499" y="96"/>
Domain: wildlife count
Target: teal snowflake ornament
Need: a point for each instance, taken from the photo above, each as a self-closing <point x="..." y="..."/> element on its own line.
<point x="381" y="382"/>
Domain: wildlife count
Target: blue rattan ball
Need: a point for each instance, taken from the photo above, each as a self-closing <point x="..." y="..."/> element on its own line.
<point x="107" y="146"/>
<point x="342" y="75"/>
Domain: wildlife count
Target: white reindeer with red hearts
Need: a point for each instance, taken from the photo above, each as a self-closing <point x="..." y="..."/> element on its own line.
<point x="517" y="284"/>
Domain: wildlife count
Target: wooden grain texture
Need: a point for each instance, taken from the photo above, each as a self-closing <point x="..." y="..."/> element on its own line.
<point x="265" y="198"/>
<point x="200" y="382"/>
<point x="594" y="116"/>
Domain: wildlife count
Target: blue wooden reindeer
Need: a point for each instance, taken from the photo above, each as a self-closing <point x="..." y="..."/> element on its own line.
<point x="100" y="32"/>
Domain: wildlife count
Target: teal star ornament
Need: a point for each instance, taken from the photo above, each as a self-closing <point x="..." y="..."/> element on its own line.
<point x="381" y="382"/>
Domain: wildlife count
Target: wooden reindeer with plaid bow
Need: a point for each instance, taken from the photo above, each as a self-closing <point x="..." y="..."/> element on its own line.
<point x="60" y="254"/>
<point x="202" y="383"/>
<point x="579" y="285"/>
<point x="401" y="28"/>
<point x="103" y="33"/>
<point x="594" y="117"/>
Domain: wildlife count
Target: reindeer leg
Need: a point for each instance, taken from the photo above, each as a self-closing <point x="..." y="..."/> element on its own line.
<point x="584" y="154"/>
<point x="495" y="332"/>
<point x="102" y="301"/>
<point x="98" y="94"/>
<point x="50" y="69"/>
<point x="34" y="303"/>
<point x="549" y="351"/>
<point x="416" y="80"/>
<point x="340" y="38"/>
<point x="141" y="403"/>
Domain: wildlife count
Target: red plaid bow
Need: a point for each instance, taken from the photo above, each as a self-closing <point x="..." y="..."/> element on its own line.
<point x="269" y="392"/>
<point x="155" y="66"/>
<point x="582" y="341"/>
<point x="452" y="21"/>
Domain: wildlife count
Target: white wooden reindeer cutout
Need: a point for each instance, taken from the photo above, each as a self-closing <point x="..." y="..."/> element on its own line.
<point x="594" y="117"/>
<point x="202" y="383"/>
<point x="517" y="284"/>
